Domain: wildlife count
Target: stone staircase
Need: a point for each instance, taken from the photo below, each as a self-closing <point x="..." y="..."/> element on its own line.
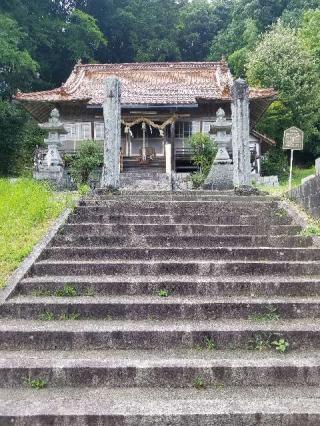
<point x="162" y="309"/>
<point x="145" y="179"/>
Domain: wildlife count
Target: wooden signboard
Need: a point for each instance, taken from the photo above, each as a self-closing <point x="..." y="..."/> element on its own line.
<point x="293" y="139"/>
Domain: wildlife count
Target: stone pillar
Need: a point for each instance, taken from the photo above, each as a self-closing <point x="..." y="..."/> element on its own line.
<point x="241" y="134"/>
<point x="168" y="153"/>
<point x="172" y="143"/>
<point x="112" y="134"/>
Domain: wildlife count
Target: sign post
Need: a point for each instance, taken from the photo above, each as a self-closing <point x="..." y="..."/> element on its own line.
<point x="293" y="139"/>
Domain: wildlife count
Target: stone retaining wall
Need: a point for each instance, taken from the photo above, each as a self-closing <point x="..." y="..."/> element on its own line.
<point x="308" y="195"/>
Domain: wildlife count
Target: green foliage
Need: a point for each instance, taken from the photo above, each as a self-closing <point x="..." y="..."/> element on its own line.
<point x="84" y="190"/>
<point x="204" y="151"/>
<point x="311" y="231"/>
<point x="199" y="383"/>
<point x="73" y="316"/>
<point x="239" y="58"/>
<point x="86" y="160"/>
<point x="46" y="316"/>
<point x="37" y="383"/>
<point x="270" y="314"/>
<point x="16" y="64"/>
<point x="83" y="36"/>
<point x="309" y="33"/>
<point x="259" y="342"/>
<point x="40" y="41"/>
<point x="197" y="179"/>
<point x="19" y="136"/>
<point x="280" y="345"/>
<point x="209" y="344"/>
<point x="281" y="61"/>
<point x="199" y="22"/>
<point x="163" y="293"/>
<point x="26" y="209"/>
<point x="66" y="291"/>
<point x="274" y="162"/>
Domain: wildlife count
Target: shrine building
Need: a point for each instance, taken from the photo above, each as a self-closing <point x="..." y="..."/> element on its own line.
<point x="160" y="103"/>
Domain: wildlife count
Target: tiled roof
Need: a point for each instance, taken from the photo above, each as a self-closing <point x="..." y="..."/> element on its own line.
<point x="147" y="83"/>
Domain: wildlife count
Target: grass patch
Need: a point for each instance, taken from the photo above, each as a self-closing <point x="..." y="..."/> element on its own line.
<point x="270" y="314"/>
<point x="297" y="175"/>
<point x="27" y="209"/>
<point x="36" y="383"/>
<point x="311" y="231"/>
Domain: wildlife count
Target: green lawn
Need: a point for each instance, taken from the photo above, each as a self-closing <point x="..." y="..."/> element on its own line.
<point x="297" y="175"/>
<point x="27" y="208"/>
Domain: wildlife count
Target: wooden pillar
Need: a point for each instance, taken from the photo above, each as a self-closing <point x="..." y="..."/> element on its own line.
<point x="112" y="134"/>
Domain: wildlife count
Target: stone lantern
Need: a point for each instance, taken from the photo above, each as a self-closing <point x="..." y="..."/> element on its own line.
<point x="52" y="167"/>
<point x="221" y="130"/>
<point x="221" y="174"/>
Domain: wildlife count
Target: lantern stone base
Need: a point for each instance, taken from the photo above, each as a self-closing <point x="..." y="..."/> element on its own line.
<point x="220" y="177"/>
<point x="53" y="174"/>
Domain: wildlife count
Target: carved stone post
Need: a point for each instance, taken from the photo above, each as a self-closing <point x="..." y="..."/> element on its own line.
<point x="240" y="134"/>
<point x="112" y="134"/>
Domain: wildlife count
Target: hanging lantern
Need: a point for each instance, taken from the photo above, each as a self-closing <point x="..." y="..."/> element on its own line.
<point x="161" y="133"/>
<point x="143" y="126"/>
<point x="126" y="130"/>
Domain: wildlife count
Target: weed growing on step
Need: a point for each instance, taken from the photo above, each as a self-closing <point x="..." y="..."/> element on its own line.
<point x="153" y="318"/>
<point x="271" y="314"/>
<point x="259" y="342"/>
<point x="281" y="213"/>
<point x="74" y="316"/>
<point x="49" y="316"/>
<point x="280" y="345"/>
<point x="46" y="316"/>
<point x="41" y="293"/>
<point x="311" y="231"/>
<point x="36" y="383"/>
<point x="199" y="383"/>
<point x="66" y="291"/>
<point x="207" y="343"/>
<point x="89" y="293"/>
<point x="163" y="293"/>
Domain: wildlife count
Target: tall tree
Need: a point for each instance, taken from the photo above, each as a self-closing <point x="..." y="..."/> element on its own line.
<point x="17" y="68"/>
<point x="281" y="61"/>
<point x="199" y="22"/>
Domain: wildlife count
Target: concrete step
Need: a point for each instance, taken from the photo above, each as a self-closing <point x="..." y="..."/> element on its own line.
<point x="151" y="334"/>
<point x="182" y="207"/>
<point x="215" y="406"/>
<point x="88" y="214"/>
<point x="180" y="196"/>
<point x="199" y="268"/>
<point x="160" y="308"/>
<point x="179" y="285"/>
<point x="183" y="241"/>
<point x="183" y="254"/>
<point x="181" y="229"/>
<point x="159" y="369"/>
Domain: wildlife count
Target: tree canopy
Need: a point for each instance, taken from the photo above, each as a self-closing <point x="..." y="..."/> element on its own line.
<point x="274" y="43"/>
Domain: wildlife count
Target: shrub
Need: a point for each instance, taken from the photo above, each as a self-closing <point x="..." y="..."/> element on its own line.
<point x="275" y="162"/>
<point x="204" y="152"/>
<point x="86" y="160"/>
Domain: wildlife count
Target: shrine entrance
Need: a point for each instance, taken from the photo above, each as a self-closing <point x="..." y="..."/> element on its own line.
<point x="144" y="142"/>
